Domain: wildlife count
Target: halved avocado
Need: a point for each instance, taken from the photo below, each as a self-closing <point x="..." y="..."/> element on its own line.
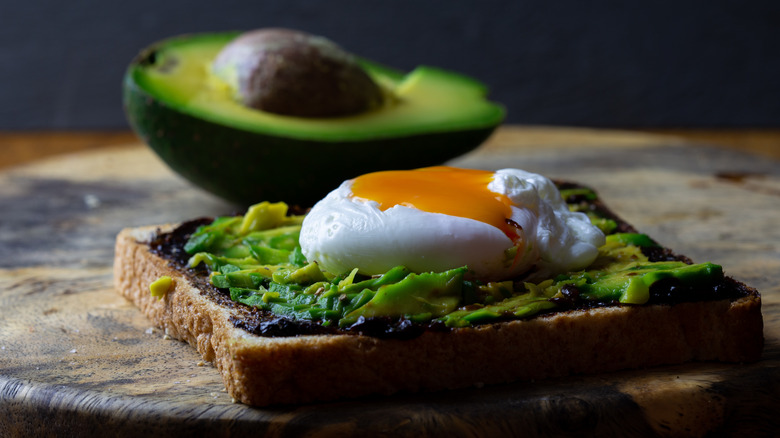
<point x="191" y="119"/>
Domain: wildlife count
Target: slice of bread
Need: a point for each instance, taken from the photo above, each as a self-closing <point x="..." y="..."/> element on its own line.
<point x="260" y="370"/>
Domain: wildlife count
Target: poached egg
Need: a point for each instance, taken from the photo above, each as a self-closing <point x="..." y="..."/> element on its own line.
<point x="501" y="225"/>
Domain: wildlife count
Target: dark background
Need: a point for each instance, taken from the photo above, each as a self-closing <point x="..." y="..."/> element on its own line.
<point x="572" y="62"/>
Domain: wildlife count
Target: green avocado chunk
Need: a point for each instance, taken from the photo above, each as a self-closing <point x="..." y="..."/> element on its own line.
<point x="635" y="239"/>
<point x="418" y="297"/>
<point x="190" y="117"/>
<point x="257" y="258"/>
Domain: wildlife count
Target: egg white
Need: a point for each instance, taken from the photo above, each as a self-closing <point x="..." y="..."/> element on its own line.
<point x="341" y="233"/>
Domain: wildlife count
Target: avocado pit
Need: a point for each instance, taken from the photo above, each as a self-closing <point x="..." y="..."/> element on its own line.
<point x="294" y="73"/>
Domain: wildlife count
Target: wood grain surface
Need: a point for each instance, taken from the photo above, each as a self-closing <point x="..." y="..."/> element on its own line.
<point x="76" y="359"/>
<point x="27" y="146"/>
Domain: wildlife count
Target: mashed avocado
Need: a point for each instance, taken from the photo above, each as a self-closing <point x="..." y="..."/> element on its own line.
<point x="256" y="257"/>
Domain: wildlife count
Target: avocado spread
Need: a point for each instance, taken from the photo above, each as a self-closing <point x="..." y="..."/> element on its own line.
<point x="255" y="260"/>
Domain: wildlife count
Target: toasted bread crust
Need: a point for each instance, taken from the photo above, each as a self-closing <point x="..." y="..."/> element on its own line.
<point x="264" y="370"/>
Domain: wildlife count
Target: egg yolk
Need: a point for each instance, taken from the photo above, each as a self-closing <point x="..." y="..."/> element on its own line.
<point x="447" y="190"/>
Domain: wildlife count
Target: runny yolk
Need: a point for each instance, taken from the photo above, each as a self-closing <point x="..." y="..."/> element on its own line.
<point x="441" y="189"/>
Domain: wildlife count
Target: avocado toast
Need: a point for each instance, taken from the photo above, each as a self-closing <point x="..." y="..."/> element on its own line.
<point x="269" y="351"/>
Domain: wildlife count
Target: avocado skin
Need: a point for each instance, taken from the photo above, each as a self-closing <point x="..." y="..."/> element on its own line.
<point x="247" y="167"/>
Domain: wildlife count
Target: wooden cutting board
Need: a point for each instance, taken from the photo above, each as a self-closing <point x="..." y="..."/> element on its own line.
<point x="77" y="360"/>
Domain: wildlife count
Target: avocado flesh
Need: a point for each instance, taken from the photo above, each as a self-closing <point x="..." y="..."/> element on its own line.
<point x="423" y="101"/>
